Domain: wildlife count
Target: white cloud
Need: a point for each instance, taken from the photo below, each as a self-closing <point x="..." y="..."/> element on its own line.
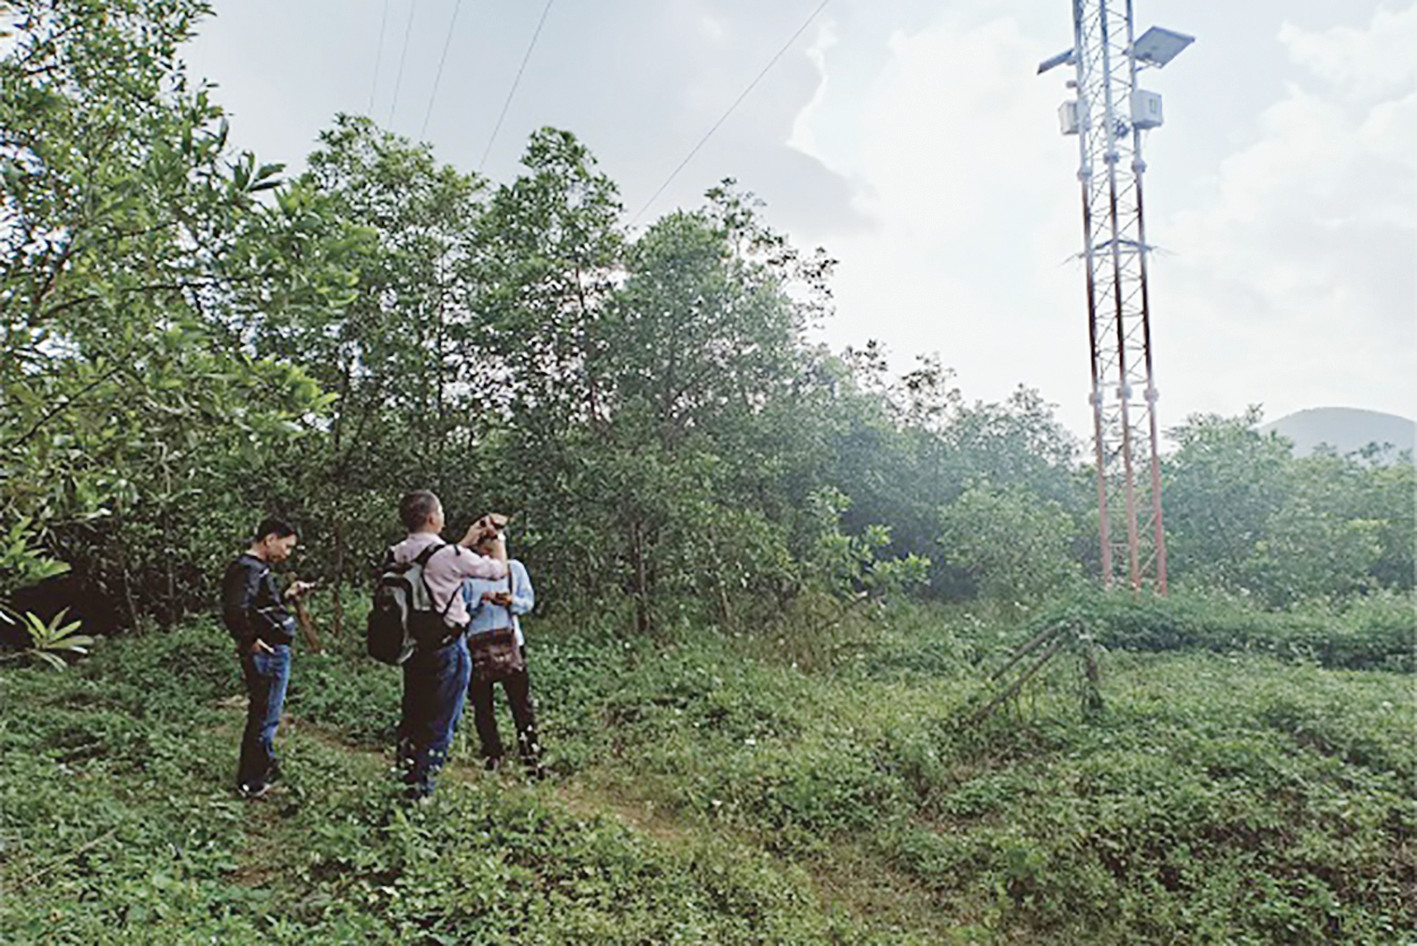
<point x="802" y="137"/>
<point x="1390" y="131"/>
<point x="1361" y="62"/>
<point x="974" y="200"/>
<point x="1294" y="286"/>
<point x="1289" y="282"/>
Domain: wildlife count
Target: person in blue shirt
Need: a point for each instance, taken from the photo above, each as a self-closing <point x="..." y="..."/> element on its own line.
<point x="496" y="605"/>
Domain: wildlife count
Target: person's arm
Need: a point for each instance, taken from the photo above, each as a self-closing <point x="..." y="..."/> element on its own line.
<point x="471" y="565"/>
<point x="523" y="595"/>
<point x="270" y="611"/>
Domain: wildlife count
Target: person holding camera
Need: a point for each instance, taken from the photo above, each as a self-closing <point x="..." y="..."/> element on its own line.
<point x="435" y="677"/>
<point x="498" y="651"/>
<point x="256" y="615"/>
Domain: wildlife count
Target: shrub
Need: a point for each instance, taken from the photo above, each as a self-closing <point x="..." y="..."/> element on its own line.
<point x="1374" y="631"/>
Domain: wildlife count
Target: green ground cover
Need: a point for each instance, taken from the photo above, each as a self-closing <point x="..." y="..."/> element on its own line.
<point x="805" y="783"/>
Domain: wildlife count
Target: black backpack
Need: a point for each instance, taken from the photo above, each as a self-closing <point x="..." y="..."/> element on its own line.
<point x="403" y="616"/>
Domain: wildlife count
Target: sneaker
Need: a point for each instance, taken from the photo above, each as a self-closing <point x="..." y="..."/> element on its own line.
<point x="492" y="763"/>
<point x="250" y="792"/>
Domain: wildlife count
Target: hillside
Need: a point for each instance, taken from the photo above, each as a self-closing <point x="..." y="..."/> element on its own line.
<point x="814" y="784"/>
<point x="1346" y="429"/>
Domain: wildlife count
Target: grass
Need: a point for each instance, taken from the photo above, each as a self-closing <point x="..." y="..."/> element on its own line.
<point x="722" y="788"/>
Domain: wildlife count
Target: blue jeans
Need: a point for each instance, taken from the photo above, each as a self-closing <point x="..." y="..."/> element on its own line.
<point x="266" y="676"/>
<point x="434" y="688"/>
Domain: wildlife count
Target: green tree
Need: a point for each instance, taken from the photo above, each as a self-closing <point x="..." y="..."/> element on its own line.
<point x="1243" y="513"/>
<point x="703" y="345"/>
<point x="1014" y="544"/>
<point x="1221" y="488"/>
<point x="902" y="447"/>
<point x="367" y="256"/>
<point x="548" y="255"/>
<point x="1390" y="499"/>
<point x="124" y="398"/>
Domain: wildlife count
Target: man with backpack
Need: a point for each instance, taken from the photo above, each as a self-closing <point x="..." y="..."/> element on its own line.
<point x="436" y="672"/>
<point x="256" y="615"/>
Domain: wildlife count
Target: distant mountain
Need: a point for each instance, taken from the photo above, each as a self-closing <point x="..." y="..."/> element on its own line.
<point x="1344" y="428"/>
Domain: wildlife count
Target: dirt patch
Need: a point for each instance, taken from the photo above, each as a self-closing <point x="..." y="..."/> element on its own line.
<point x="639" y="815"/>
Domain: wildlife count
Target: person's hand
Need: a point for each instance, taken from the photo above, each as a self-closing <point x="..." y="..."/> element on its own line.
<point x="259" y="646"/>
<point x="499" y="598"/>
<point x="476" y="532"/>
<point x="298" y="588"/>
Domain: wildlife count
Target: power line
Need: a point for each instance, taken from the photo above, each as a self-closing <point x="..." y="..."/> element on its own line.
<point x="448" y="41"/>
<point x="515" y="83"/>
<point x="398" y="79"/>
<point x="695" y="150"/>
<point x="378" y="57"/>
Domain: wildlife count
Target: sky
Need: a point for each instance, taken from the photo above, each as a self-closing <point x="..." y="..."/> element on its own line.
<point x="914" y="141"/>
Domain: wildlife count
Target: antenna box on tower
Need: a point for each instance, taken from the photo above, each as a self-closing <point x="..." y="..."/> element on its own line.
<point x="1146" y="109"/>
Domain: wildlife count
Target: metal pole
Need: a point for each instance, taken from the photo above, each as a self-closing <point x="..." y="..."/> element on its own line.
<point x="1095" y="395"/>
<point x="1138" y="170"/>
<point x="1123" y="388"/>
<point x="1109" y="116"/>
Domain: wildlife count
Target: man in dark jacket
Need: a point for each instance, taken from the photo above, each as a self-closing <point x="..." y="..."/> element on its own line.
<point x="256" y="615"/>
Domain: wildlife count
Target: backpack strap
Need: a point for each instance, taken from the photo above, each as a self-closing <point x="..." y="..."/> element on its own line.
<point x="422" y="562"/>
<point x="511" y="593"/>
<point x="427" y="553"/>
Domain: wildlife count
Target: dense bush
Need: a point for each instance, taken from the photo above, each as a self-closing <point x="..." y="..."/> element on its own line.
<point x="1374" y="631"/>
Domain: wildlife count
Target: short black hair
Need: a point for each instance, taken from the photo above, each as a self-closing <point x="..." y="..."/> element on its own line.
<point x="276" y="527"/>
<point x="415" y="509"/>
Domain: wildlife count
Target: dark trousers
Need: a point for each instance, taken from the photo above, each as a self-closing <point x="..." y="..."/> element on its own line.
<point x="518" y="690"/>
<point x="266" y="676"/>
<point x="434" y="688"/>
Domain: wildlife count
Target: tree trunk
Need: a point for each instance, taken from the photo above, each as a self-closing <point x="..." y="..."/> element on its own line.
<point x="336" y="601"/>
<point x="637" y="559"/>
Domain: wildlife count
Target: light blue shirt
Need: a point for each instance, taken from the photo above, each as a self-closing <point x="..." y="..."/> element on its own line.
<point x="489" y="617"/>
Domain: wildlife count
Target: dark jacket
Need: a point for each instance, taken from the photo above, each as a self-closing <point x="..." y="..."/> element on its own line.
<point x="251" y="607"/>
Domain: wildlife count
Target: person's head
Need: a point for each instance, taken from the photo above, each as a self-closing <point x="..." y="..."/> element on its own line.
<point x="487" y="543"/>
<point x="420" y="511"/>
<point x="274" y="540"/>
<point x="496" y="524"/>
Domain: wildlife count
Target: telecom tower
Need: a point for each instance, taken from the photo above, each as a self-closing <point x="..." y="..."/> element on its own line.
<point x="1109" y="115"/>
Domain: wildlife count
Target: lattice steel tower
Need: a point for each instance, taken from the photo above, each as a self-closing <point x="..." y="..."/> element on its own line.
<point x="1109" y="115"/>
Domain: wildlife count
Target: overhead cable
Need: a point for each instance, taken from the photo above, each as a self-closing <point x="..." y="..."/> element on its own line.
<point x="398" y="79"/>
<point x="378" y="57"/>
<point x="438" y="76"/>
<point x="695" y="150"/>
<point x="515" y="82"/>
